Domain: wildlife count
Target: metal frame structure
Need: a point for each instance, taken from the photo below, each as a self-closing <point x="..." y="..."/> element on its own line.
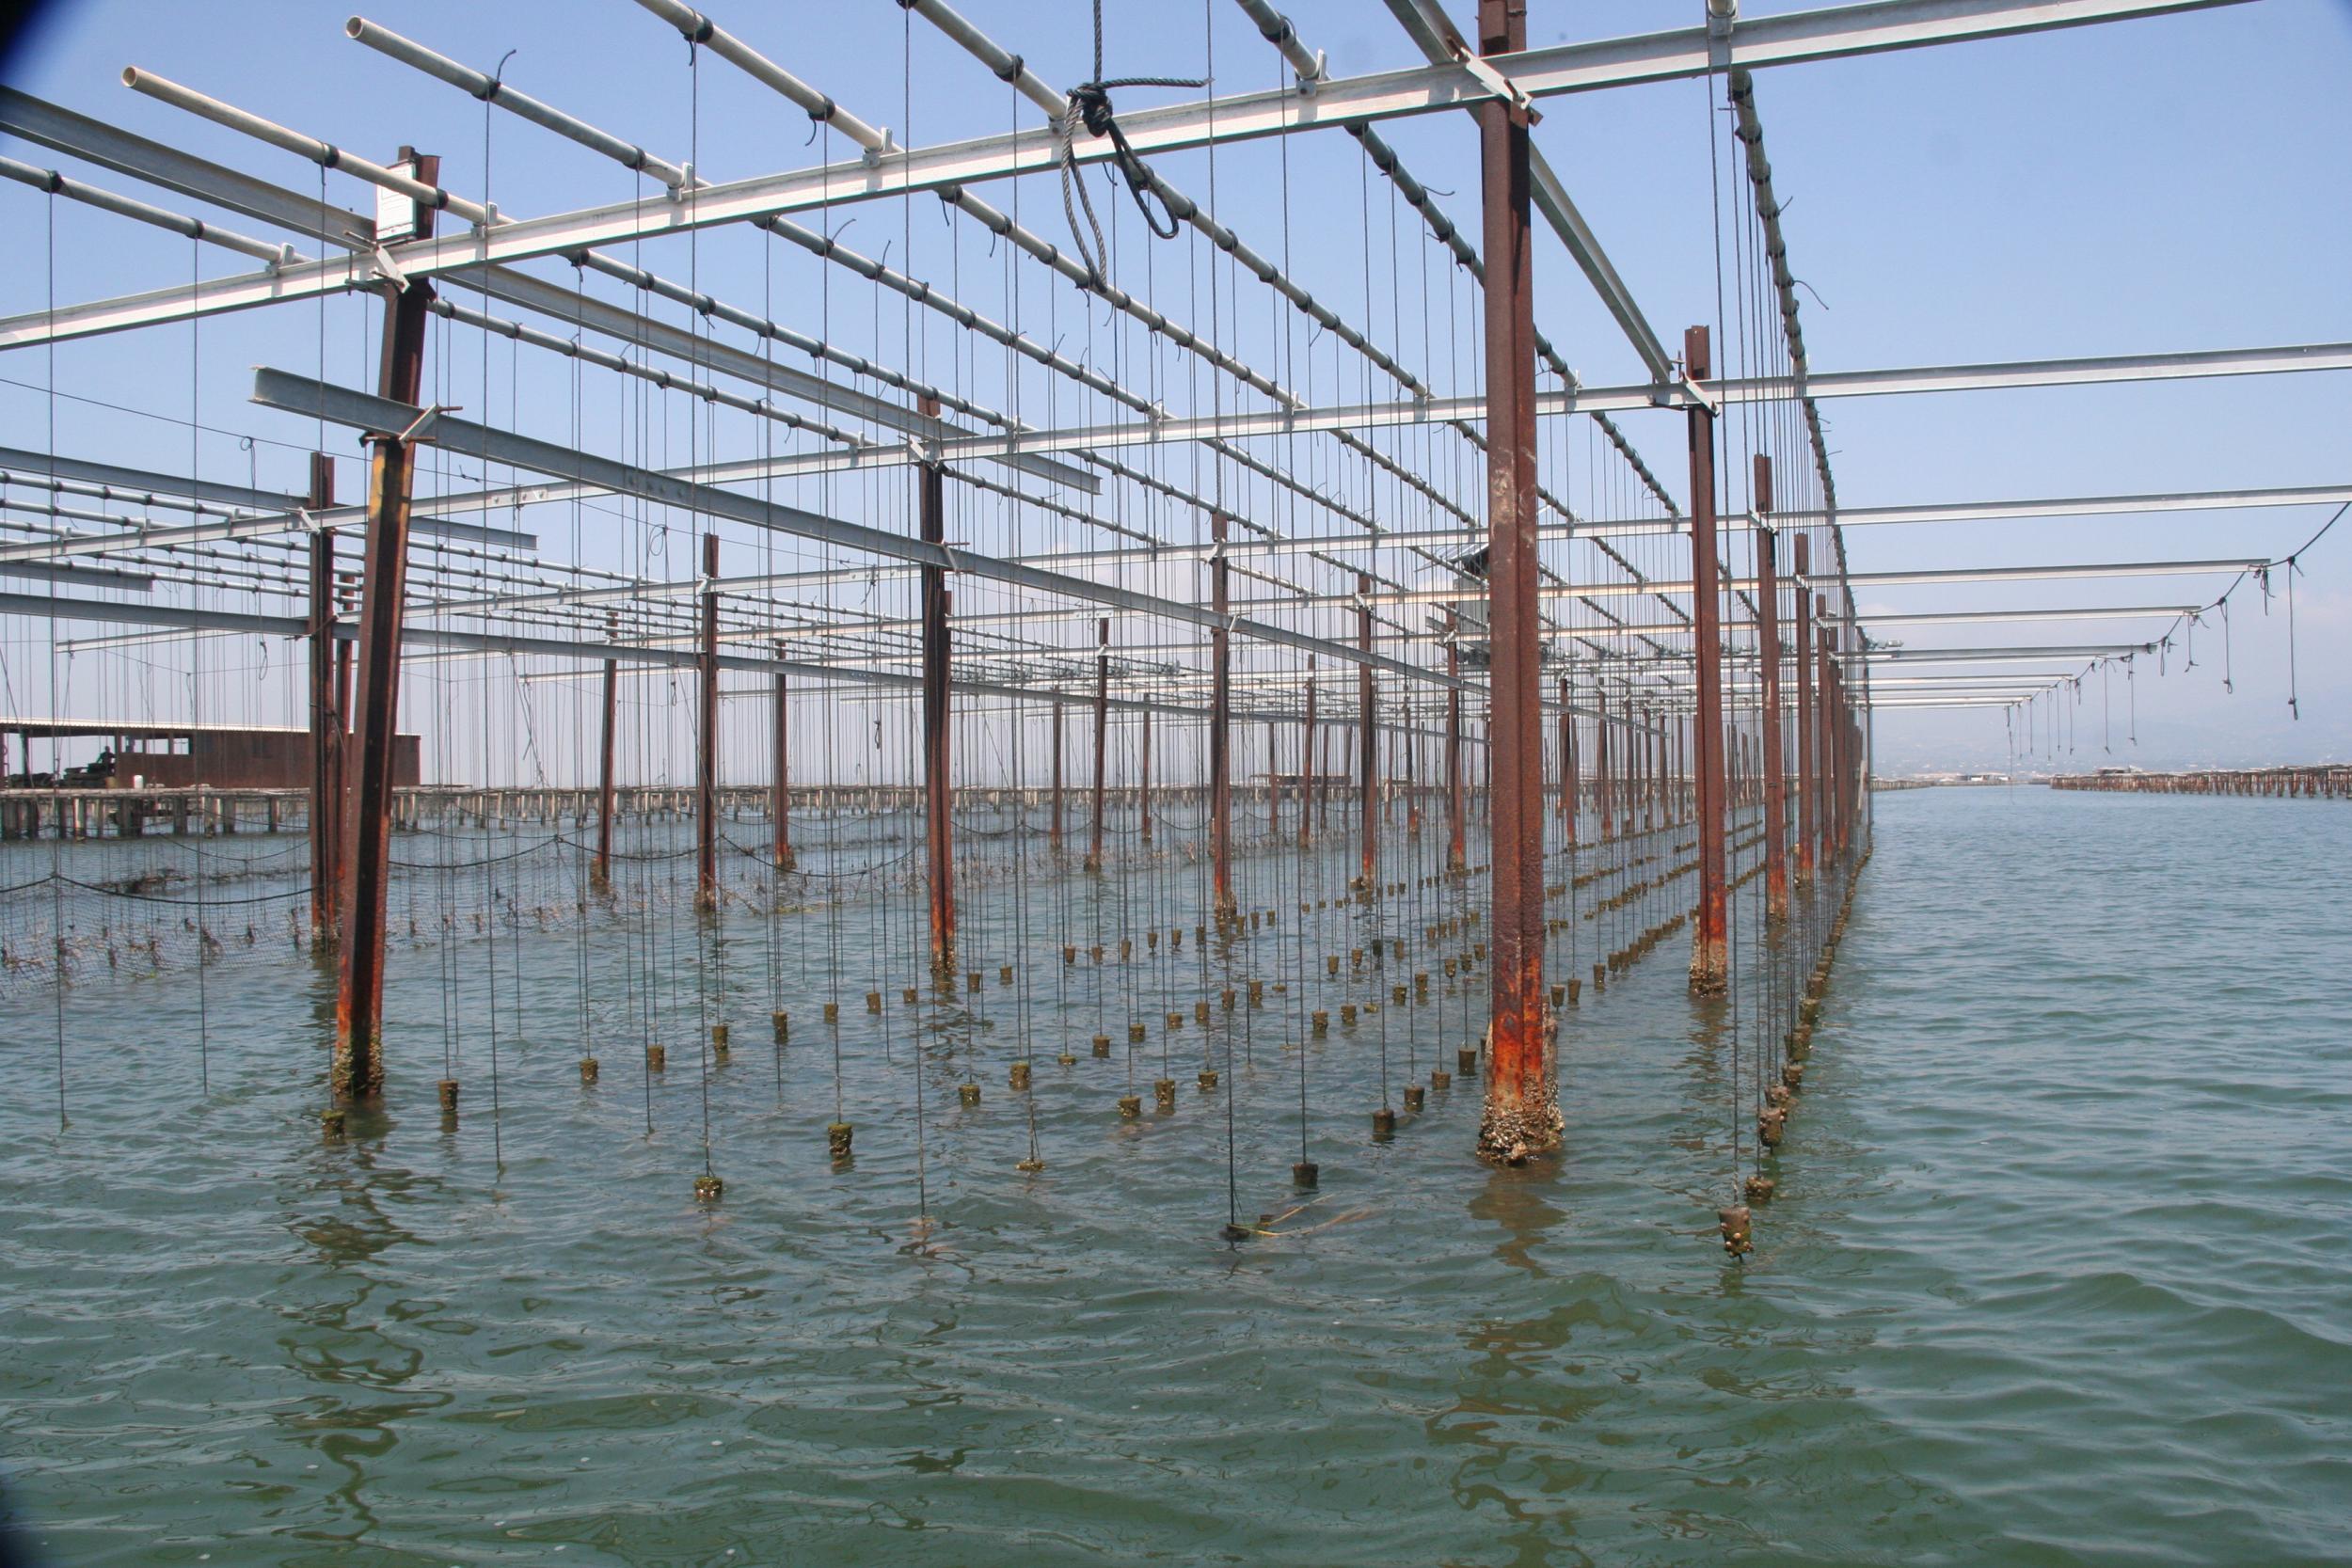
<point x="1345" y="577"/>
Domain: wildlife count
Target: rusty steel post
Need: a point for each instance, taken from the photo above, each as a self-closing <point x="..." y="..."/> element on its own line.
<point x="1521" y="1112"/>
<point x="1367" y="735"/>
<point x="780" y="776"/>
<point x="1102" y="735"/>
<point x="1832" y="738"/>
<point x="1841" y="770"/>
<point x="1606" y="803"/>
<point x="1657" y="808"/>
<point x="1273" y="779"/>
<point x="1323" y="782"/>
<point x="1629" y="794"/>
<point x="327" y="718"/>
<point x="1569" y="783"/>
<point x="938" y="696"/>
<point x="358" y="1072"/>
<point x="1457" y="854"/>
<point x="600" y="869"/>
<point x="707" y="737"/>
<point x="1800" y="659"/>
<point x="1710" y="959"/>
<point x="1410" y="736"/>
<point x="1220" y="726"/>
<point x="1307" y="762"/>
<point x="1768" y="654"/>
<point x="1684" y="799"/>
<point x="1567" y="765"/>
<point x="1825" y="672"/>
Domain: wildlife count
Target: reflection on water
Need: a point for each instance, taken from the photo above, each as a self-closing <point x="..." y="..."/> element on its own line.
<point x="2055" y="1272"/>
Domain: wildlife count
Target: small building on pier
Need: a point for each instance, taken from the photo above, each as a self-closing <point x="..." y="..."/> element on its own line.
<point x="138" y="755"/>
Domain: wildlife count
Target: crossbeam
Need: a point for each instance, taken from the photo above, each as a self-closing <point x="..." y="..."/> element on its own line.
<point x="1676" y="54"/>
<point x="273" y="389"/>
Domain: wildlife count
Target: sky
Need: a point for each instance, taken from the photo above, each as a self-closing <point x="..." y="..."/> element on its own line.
<point x="2174" y="183"/>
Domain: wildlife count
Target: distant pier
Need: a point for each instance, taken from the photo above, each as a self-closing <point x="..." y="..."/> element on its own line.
<point x="2326" y="781"/>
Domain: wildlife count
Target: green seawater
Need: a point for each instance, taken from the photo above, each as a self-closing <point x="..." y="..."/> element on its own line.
<point x="2059" y="1270"/>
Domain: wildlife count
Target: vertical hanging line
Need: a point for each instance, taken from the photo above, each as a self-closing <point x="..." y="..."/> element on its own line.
<point x="489" y="865"/>
<point x="56" y="878"/>
<point x="195" y="696"/>
<point x="2295" y="709"/>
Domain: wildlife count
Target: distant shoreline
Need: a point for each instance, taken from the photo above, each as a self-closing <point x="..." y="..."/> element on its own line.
<point x="2288" y="781"/>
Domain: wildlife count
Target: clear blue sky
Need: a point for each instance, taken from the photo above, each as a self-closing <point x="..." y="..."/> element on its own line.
<point x="2174" y="183"/>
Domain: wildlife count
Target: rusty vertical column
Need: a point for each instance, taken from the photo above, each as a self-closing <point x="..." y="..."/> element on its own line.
<point x="1307" y="762"/>
<point x="1636" y="747"/>
<point x="1457" y="855"/>
<point x="357" y="1074"/>
<point x="1052" y="820"/>
<point x="1567" y="764"/>
<point x="1825" y="704"/>
<point x="1273" y="780"/>
<point x="1221" y="732"/>
<point x="1801" y="659"/>
<point x="780" y="774"/>
<point x="707" y="737"/>
<point x="1521" y="1111"/>
<point x="1710" y="959"/>
<point x="1768" y="654"/>
<point x="1641" y="770"/>
<point x="1833" y="739"/>
<point x="1606" y="803"/>
<point x="1842" y="750"/>
<point x="1569" y="788"/>
<point x="1367" y="735"/>
<point x="600" y="869"/>
<point x="1101" y="736"/>
<point x="327" y="718"/>
<point x="1323" y="782"/>
<point x="938" y="734"/>
<point x="1685" y="782"/>
<point x="1658" y="803"/>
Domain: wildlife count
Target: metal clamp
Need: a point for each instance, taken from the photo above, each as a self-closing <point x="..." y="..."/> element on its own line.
<point x="1497" y="82"/>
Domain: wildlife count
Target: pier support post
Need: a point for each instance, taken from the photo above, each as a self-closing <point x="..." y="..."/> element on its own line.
<point x="1710" y="962"/>
<point x="326" y="718"/>
<point x="1143" y="788"/>
<point x="358" y="1071"/>
<point x="1768" y="654"/>
<point x="780" y="775"/>
<point x="1102" y="735"/>
<point x="1367" y="735"/>
<point x="707" y="737"/>
<point x="1521" y="1111"/>
<point x="938" y="762"/>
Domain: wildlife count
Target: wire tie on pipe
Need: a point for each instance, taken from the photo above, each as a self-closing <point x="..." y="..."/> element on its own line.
<point x="416" y="430"/>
